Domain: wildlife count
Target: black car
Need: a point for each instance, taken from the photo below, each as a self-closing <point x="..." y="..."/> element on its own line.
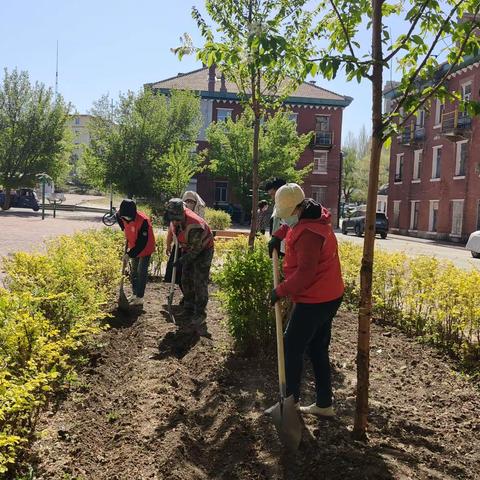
<point x="22" y="198"/>
<point x="356" y="223"/>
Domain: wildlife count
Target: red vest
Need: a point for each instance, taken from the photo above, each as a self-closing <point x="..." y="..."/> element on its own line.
<point x="131" y="234"/>
<point x="328" y="283"/>
<point x="192" y="220"/>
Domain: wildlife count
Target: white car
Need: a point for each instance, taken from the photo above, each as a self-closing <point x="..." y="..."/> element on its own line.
<point x="473" y="244"/>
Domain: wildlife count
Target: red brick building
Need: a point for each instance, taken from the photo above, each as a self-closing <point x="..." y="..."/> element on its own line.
<point x="313" y="109"/>
<point x="434" y="184"/>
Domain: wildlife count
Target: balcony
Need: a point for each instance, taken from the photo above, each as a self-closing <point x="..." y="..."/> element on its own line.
<point x="412" y="135"/>
<point x="323" y="139"/>
<point x="456" y="125"/>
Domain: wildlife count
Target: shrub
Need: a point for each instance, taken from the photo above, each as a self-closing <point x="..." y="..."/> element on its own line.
<point x="245" y="283"/>
<point x="53" y="305"/>
<point x="217" y="219"/>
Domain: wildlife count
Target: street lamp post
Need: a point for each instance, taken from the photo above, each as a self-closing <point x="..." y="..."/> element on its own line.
<point x="44" y="178"/>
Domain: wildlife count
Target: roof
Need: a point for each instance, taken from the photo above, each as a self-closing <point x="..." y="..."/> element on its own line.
<point x="197" y="80"/>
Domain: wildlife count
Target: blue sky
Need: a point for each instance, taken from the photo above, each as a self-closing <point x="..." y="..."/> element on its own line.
<point x="109" y="46"/>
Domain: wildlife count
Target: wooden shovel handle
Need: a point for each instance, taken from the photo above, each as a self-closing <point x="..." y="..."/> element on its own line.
<point x="279" y="330"/>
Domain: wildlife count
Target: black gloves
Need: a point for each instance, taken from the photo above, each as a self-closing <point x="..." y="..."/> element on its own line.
<point x="274" y="244"/>
<point x="274" y="298"/>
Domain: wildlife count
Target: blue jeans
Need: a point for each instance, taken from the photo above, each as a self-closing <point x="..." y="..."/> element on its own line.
<point x="309" y="329"/>
<point x="139" y="275"/>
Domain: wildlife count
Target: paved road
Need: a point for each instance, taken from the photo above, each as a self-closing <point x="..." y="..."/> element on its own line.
<point x="25" y="230"/>
<point x="418" y="246"/>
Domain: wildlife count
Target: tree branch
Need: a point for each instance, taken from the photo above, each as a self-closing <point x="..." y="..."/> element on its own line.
<point x="344" y="28"/>
<point x="410" y="31"/>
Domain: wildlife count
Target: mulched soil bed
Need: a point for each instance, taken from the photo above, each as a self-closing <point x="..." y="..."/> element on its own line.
<point x="154" y="403"/>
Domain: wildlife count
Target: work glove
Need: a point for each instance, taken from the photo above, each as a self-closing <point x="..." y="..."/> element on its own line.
<point x="274" y="298"/>
<point x="274" y="244"/>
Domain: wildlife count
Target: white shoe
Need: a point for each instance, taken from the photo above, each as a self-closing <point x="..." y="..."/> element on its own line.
<point x="136" y="302"/>
<point x="318" y="411"/>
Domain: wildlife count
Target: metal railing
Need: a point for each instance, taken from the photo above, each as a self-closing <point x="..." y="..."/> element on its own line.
<point x="456" y="120"/>
<point x="323" y="139"/>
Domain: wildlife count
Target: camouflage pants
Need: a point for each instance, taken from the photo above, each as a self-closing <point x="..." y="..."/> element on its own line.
<point x="195" y="283"/>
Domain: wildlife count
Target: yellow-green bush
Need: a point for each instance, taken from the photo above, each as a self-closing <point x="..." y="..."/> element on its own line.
<point x="53" y="303"/>
<point x="217" y="219"/>
<point x="425" y="297"/>
<point x="245" y="283"/>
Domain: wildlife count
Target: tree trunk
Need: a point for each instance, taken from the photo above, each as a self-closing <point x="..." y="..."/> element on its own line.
<point x="256" y="134"/>
<point x="8" y="197"/>
<point x="366" y="272"/>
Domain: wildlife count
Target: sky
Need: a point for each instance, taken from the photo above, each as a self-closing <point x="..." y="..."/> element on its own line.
<point x="111" y="46"/>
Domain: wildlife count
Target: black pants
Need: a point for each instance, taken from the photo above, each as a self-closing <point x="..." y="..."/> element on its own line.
<point x="309" y="329"/>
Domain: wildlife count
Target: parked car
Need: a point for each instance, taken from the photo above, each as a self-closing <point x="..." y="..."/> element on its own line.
<point x="356" y="223"/>
<point x="473" y="244"/>
<point x="22" y="198"/>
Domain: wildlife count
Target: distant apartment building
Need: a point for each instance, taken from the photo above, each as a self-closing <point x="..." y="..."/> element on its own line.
<point x="313" y="109"/>
<point x="78" y="125"/>
<point x="434" y="182"/>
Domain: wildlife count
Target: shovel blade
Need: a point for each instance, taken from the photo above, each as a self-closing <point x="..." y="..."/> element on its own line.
<point x="122" y="299"/>
<point x="287" y="422"/>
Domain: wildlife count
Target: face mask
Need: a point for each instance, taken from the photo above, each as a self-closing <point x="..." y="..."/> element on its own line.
<point x="291" y="221"/>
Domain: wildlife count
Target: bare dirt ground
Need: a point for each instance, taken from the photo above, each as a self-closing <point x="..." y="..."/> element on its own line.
<point x="155" y="404"/>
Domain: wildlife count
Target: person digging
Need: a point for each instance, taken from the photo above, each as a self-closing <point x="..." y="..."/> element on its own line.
<point x="138" y="231"/>
<point x="195" y="240"/>
<point x="313" y="280"/>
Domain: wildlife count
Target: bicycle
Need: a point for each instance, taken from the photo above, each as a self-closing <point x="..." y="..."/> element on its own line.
<point x="110" y="218"/>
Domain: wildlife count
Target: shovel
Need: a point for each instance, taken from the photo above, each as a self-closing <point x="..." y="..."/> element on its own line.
<point x="123" y="303"/>
<point x="172" y="283"/>
<point x="284" y="414"/>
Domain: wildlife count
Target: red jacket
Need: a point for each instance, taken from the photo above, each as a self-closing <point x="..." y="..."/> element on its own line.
<point x="139" y="235"/>
<point x="311" y="265"/>
<point x="194" y="221"/>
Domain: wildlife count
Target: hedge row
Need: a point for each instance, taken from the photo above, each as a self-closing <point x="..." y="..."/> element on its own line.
<point x="53" y="303"/>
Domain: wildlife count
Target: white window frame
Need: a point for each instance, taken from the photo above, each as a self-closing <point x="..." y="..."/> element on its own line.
<point x="464" y="86"/>
<point x="322" y="188"/>
<point x="396" y="213"/>
<point x="439" y="107"/>
<point x="226" y="192"/>
<point x="416" y="164"/>
<point x="435" y="162"/>
<point x="413" y="227"/>
<point x="433" y="203"/>
<point x="320" y="165"/>
<point x="458" y="151"/>
<point x="420" y="122"/>
<point x="293" y="117"/>
<point x="229" y="115"/>
<point x="456" y="230"/>
<point x="400" y="161"/>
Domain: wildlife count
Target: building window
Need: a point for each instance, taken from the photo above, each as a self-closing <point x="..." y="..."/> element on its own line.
<point x="399" y="168"/>
<point x="415" y="209"/>
<point x="461" y="158"/>
<point x="396" y="213"/>
<point x="223" y="114"/>
<point x="293" y="117"/>
<point x="420" y="119"/>
<point x="439" y="108"/>
<point x="417" y="164"/>
<point x="320" y="160"/>
<point x="319" y="194"/>
<point x="457" y="217"/>
<point x="437" y="162"/>
<point x="322" y="123"/>
<point x="77" y="120"/>
<point x="433" y="216"/>
<point x="221" y="190"/>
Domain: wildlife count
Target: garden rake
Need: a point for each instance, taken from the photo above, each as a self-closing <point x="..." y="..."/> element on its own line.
<point x="172" y="283"/>
<point x="284" y="414"/>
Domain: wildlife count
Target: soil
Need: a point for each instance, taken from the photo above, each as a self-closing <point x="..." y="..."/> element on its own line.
<point x="157" y="403"/>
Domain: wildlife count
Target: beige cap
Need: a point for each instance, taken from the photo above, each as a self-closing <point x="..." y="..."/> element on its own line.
<point x="287" y="198"/>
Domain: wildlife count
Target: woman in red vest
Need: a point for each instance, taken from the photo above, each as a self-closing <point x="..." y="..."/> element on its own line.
<point x="313" y="280"/>
<point x="140" y="246"/>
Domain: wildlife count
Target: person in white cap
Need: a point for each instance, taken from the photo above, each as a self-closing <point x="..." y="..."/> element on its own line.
<point x="313" y="280"/>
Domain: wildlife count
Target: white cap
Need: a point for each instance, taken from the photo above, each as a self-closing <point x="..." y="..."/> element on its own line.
<point x="287" y="198"/>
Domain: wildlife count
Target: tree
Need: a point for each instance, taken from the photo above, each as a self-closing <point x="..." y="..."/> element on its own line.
<point x="33" y="133"/>
<point x="430" y="36"/>
<point x="133" y="142"/>
<point x="263" y="47"/>
<point x="231" y="148"/>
